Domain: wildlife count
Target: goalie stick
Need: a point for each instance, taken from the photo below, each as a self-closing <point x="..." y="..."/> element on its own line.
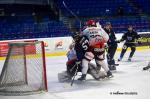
<point x="133" y="42"/>
<point x="72" y="81"/>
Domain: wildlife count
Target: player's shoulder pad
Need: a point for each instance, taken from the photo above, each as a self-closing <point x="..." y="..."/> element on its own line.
<point x="85" y="37"/>
<point x="85" y="30"/>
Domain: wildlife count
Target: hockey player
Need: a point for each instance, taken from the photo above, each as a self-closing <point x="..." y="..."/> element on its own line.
<point x="97" y="37"/>
<point x="112" y="46"/>
<point x="130" y="38"/>
<point x="72" y="66"/>
<point x="82" y="47"/>
<point x="74" y="63"/>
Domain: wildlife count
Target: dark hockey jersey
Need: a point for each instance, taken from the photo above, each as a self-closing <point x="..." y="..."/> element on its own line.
<point x="81" y="46"/>
<point x="112" y="37"/>
<point x="130" y="37"/>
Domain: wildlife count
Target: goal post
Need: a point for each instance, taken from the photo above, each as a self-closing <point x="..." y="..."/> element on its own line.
<point x="24" y="70"/>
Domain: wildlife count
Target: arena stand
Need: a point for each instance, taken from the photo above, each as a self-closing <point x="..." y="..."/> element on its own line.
<point x="35" y="21"/>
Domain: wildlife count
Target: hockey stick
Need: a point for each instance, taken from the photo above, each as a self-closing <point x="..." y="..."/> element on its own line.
<point x="72" y="68"/>
<point x="132" y="42"/>
<point x="75" y="74"/>
<point x="136" y="43"/>
<point x="72" y="13"/>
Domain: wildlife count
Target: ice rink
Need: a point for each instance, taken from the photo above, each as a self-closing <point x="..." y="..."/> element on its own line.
<point x="129" y="81"/>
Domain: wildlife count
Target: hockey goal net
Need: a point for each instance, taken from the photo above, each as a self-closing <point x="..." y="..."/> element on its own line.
<point x="24" y="70"/>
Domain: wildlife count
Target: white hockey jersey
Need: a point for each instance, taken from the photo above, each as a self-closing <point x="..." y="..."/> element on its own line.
<point x="96" y="35"/>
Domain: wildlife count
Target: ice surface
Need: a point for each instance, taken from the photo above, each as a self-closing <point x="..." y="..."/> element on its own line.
<point x="129" y="80"/>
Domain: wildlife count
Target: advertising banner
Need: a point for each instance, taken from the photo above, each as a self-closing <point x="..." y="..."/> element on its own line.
<point x="4" y="47"/>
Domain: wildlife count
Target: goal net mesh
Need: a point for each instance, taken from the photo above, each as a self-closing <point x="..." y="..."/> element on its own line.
<point x="24" y="69"/>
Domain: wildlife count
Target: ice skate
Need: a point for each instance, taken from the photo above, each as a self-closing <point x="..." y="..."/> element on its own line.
<point x="116" y="64"/>
<point x="119" y="59"/>
<point x="112" y="67"/>
<point x="129" y="59"/>
<point x="109" y="74"/>
<point x="82" y="78"/>
<point x="146" y="68"/>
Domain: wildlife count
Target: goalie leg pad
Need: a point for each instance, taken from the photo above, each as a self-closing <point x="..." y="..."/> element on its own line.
<point x="64" y="77"/>
<point x="96" y="74"/>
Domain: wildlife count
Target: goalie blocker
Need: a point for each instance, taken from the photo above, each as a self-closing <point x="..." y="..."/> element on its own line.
<point x="71" y="68"/>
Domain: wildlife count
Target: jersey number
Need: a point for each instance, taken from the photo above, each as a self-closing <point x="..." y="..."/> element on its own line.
<point x="85" y="44"/>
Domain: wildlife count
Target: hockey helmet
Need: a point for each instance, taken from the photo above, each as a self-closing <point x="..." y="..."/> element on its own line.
<point x="130" y="28"/>
<point x="91" y="23"/>
<point x="76" y="36"/>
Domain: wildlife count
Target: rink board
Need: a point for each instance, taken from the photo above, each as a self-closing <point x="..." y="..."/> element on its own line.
<point x="58" y="46"/>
